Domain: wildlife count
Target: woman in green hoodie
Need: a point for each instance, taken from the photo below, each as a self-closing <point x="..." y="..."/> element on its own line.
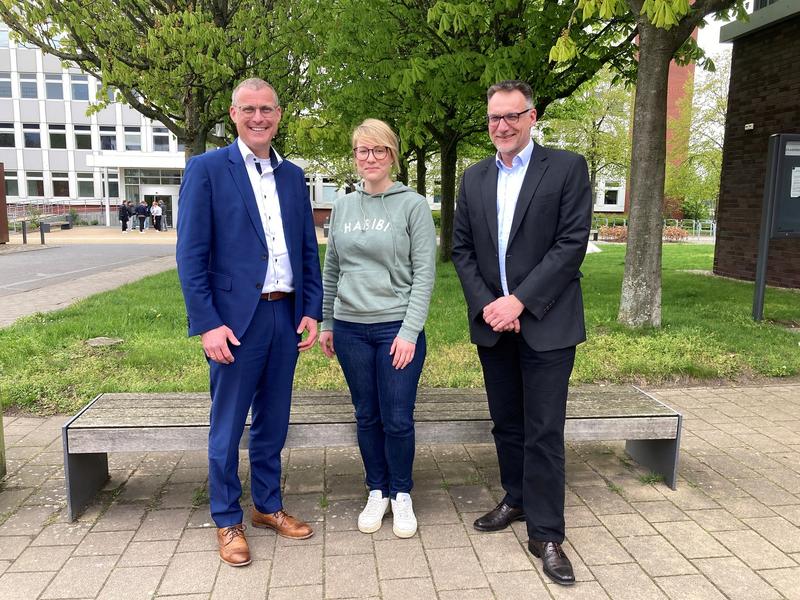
<point x="378" y="278"/>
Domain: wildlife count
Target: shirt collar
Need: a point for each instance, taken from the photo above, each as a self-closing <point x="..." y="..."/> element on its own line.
<point x="520" y="160"/>
<point x="275" y="159"/>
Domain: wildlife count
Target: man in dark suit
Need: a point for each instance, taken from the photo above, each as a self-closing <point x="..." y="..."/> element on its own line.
<point x="249" y="270"/>
<point x="531" y="207"/>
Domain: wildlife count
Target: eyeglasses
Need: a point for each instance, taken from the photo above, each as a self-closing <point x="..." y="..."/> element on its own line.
<point x="379" y="152"/>
<point x="510" y="118"/>
<point x="249" y="111"/>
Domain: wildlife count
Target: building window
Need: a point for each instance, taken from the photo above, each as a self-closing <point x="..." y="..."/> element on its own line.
<point x="12" y="185"/>
<point x="27" y="85"/>
<point x="108" y="137"/>
<point x="54" y="89"/>
<point x="5" y="84"/>
<point x="83" y="137"/>
<point x="133" y="138"/>
<point x="58" y="136"/>
<point x="113" y="184"/>
<point x="7" y="135"/>
<point x="3" y="38"/>
<point x="80" y="86"/>
<point x="160" y="139"/>
<point x="611" y="197"/>
<point x="35" y="181"/>
<point x="30" y="131"/>
<point x="61" y="185"/>
<point x="85" y="185"/>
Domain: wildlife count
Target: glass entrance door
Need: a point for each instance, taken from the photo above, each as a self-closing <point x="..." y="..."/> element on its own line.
<point x="166" y="208"/>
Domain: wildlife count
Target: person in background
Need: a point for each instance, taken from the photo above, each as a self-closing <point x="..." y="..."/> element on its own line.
<point x="124" y="216"/>
<point x="377" y="280"/>
<point x="141" y="213"/>
<point x="155" y="212"/>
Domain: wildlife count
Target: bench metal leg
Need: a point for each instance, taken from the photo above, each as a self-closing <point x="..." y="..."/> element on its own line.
<point x="660" y="456"/>
<point x="85" y="475"/>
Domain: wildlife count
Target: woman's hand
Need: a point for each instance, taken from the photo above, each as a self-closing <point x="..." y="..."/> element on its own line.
<point x="326" y="343"/>
<point x="403" y="353"/>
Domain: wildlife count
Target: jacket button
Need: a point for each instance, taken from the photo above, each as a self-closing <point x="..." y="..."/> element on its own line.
<point x="258" y="285"/>
<point x="263" y="257"/>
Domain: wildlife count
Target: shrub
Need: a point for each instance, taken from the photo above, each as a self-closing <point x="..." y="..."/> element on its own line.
<point x="437" y="218"/>
<point x="613" y="233"/>
<point x="696" y="209"/>
<point x="74" y="218"/>
<point x="34" y="216"/>
<point x="674" y="234"/>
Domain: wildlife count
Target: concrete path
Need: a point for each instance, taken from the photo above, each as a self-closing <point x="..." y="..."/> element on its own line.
<point x="729" y="531"/>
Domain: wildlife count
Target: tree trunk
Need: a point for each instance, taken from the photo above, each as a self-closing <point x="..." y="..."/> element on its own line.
<point x="448" y="148"/>
<point x="402" y="174"/>
<point x="422" y="171"/>
<point x="640" y="302"/>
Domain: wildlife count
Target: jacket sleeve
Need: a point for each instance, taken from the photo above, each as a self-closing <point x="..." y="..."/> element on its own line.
<point x="194" y="247"/>
<point x="422" y="233"/>
<point x="312" y="278"/>
<point x="330" y="276"/>
<point x="477" y="293"/>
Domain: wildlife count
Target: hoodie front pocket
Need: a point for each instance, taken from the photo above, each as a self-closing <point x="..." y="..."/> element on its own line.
<point x="366" y="292"/>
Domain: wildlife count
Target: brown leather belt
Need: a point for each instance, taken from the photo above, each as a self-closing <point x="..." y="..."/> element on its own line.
<point x="270" y="296"/>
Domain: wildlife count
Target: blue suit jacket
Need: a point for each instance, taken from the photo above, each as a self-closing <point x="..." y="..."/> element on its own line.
<point x="222" y="252"/>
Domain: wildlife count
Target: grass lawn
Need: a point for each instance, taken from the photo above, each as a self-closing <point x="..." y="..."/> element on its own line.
<point x="707" y="333"/>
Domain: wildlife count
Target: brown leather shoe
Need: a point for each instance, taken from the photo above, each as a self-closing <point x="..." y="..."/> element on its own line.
<point x="284" y="525"/>
<point x="233" y="548"/>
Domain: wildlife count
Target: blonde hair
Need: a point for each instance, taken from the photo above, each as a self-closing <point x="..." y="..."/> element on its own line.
<point x="381" y="134"/>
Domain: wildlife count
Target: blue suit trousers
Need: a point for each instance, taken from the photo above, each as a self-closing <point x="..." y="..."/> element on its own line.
<point x="259" y="379"/>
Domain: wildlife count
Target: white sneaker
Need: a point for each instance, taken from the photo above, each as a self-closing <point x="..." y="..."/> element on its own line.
<point x="371" y="518"/>
<point x="405" y="523"/>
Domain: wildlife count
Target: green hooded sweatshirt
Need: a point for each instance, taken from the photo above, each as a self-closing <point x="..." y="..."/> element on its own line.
<point x="380" y="263"/>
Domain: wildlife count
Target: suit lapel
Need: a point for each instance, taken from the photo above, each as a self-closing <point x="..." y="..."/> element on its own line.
<point x="489" y="199"/>
<point x="242" y="181"/>
<point x="533" y="176"/>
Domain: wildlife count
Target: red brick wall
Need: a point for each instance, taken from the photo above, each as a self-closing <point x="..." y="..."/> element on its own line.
<point x="764" y="91"/>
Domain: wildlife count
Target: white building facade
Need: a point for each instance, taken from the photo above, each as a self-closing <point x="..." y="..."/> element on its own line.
<point x="55" y="155"/>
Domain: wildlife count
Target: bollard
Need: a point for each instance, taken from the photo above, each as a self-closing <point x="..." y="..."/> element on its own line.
<point x="24" y="232"/>
<point x="41" y="233"/>
<point x="2" y="448"/>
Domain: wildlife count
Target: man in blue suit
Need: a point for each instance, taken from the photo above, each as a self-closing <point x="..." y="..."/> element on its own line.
<point x="249" y="270"/>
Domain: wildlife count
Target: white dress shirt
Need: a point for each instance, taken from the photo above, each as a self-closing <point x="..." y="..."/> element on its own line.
<point x="279" y="276"/>
<point x="509" y="184"/>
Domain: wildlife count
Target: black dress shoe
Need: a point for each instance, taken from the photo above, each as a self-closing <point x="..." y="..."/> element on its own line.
<point x="556" y="564"/>
<point x="499" y="518"/>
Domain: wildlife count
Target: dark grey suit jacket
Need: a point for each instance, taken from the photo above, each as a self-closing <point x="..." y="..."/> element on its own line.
<point x="547" y="243"/>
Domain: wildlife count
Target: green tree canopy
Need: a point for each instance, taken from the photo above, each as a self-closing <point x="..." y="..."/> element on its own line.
<point x="175" y="61"/>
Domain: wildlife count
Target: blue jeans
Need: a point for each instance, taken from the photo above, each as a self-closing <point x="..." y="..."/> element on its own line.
<point x="383" y="398"/>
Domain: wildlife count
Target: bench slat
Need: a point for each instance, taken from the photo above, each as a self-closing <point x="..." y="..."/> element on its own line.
<point x="158" y="439"/>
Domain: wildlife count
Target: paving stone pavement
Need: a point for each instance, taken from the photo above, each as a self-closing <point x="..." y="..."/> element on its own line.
<point x="730" y="530"/>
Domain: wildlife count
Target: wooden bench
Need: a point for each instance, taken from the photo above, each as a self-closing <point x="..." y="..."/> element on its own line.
<point x="179" y="422"/>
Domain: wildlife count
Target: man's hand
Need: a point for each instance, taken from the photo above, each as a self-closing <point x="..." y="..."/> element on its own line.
<point x="326" y="343"/>
<point x="503" y="313"/>
<point x="402" y="353"/>
<point x="310" y="325"/>
<point x="215" y="344"/>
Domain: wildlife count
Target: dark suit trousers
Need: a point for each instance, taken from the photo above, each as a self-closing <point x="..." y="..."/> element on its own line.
<point x="260" y="378"/>
<point x="527" y="392"/>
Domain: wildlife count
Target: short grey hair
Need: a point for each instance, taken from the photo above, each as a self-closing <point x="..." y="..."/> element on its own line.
<point x="511" y="85"/>
<point x="254" y="83"/>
